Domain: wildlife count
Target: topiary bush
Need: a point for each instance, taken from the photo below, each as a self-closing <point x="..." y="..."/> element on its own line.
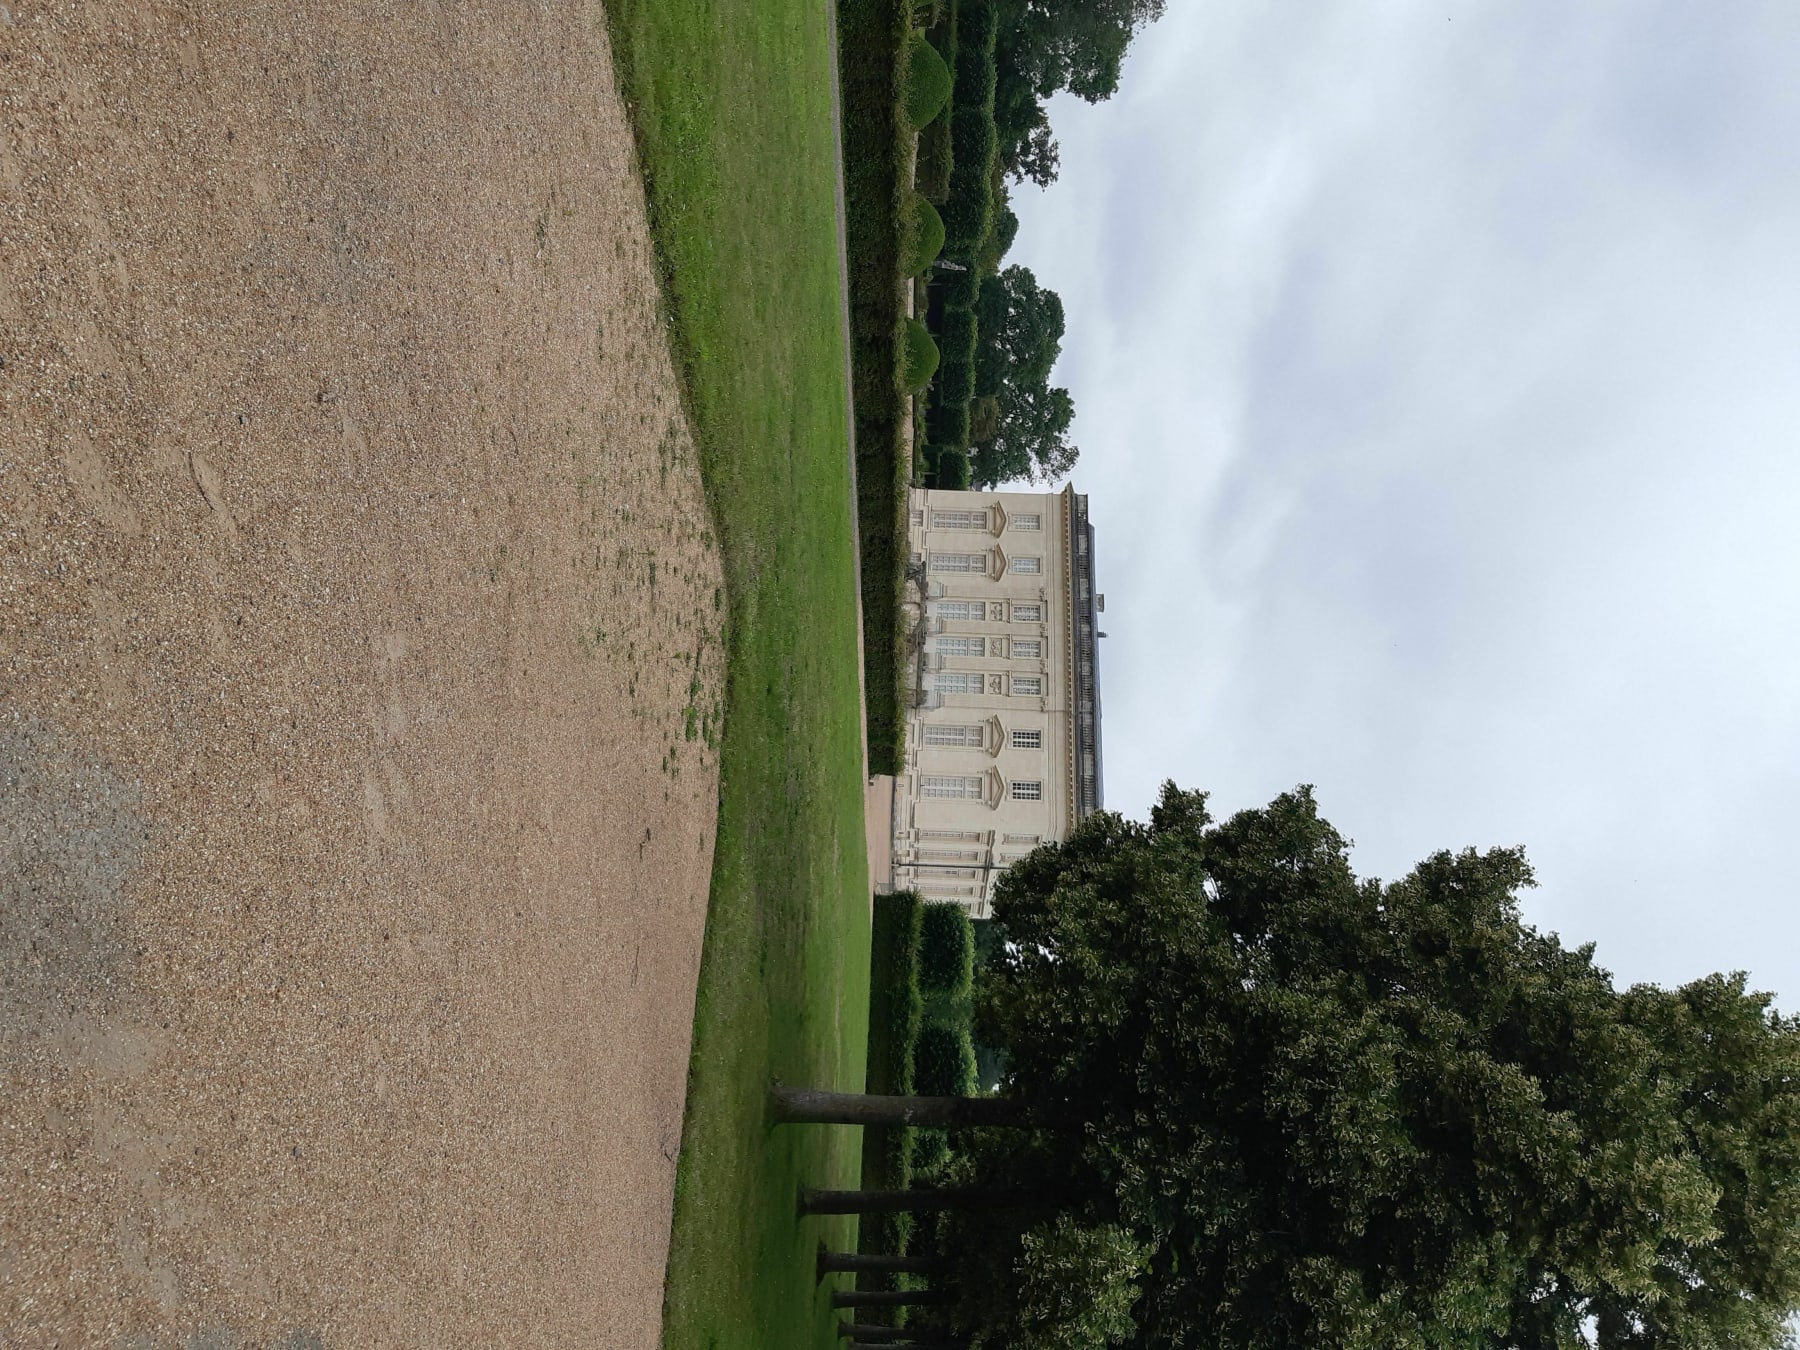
<point x="957" y="336"/>
<point x="955" y="385"/>
<point x="931" y="1148"/>
<point x="924" y="229"/>
<point x="946" y="950"/>
<point x="918" y="359"/>
<point x="969" y="209"/>
<point x="944" y="1062"/>
<point x="928" y="82"/>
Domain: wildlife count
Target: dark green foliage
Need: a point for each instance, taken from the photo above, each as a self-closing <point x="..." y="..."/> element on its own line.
<point x="924" y="236"/>
<point x="927" y="81"/>
<point x="931" y="175"/>
<point x="984" y="417"/>
<point x="946" y="950"/>
<point x="895" y="1015"/>
<point x="1306" y="1109"/>
<point x="949" y="421"/>
<point x="944" y="1062"/>
<point x="931" y="1148"/>
<point x="1048" y="45"/>
<point x="1020" y="326"/>
<point x="873" y="38"/>
<point x="953" y="469"/>
<point x="960" y="288"/>
<point x="968" y="212"/>
<point x="921" y="359"/>
<point x="958" y="337"/>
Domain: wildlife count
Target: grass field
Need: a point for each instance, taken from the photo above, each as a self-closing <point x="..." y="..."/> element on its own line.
<point x="732" y="106"/>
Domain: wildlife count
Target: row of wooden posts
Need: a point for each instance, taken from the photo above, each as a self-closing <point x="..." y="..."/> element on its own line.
<point x="799" y="1106"/>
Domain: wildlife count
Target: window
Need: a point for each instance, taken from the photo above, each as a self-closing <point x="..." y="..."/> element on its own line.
<point x="959" y="787"/>
<point x="959" y="562"/>
<point x="959" y="520"/>
<point x="1032" y="613"/>
<point x="1027" y="684"/>
<point x="1033" y="521"/>
<point x="965" y="836"/>
<point x="956" y="682"/>
<point x="958" y="891"/>
<point x="1028" y="791"/>
<point x="1028" y="649"/>
<point x="951" y="854"/>
<point x="1032" y="739"/>
<point x="1027" y="566"/>
<point x="962" y="646"/>
<point x="936" y="734"/>
<point x="918" y="520"/>
<point x="1024" y="839"/>
<point x="963" y="610"/>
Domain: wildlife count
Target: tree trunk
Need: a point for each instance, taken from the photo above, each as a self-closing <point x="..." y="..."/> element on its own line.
<point x="914" y="1201"/>
<point x="854" y="1261"/>
<point x="891" y="1298"/>
<point x="803" y="1106"/>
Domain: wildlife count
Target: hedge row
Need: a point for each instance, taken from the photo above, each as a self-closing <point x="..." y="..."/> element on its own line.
<point x="946" y="950"/>
<point x="873" y="38"/>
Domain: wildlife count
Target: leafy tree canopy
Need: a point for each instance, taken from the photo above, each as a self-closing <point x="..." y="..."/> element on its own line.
<point x="1021" y="328"/>
<point x="1298" y="1108"/>
<point x="1050" y="45"/>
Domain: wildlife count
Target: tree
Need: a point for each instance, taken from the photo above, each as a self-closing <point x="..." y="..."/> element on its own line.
<point x="1049" y="45"/>
<point x="1020" y="326"/>
<point x="1329" y="1111"/>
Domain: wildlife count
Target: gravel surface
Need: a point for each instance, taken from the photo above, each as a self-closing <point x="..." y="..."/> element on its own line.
<point x="359" y="663"/>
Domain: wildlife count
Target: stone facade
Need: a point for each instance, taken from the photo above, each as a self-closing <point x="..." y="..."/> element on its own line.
<point x="1003" y="739"/>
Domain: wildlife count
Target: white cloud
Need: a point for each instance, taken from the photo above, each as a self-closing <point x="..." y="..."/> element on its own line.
<point x="1436" y="388"/>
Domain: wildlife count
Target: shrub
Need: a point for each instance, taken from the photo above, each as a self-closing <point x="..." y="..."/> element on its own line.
<point x="930" y="1149"/>
<point x="969" y="209"/>
<point x="957" y="336"/>
<point x="946" y="950"/>
<point x="952" y="469"/>
<point x="944" y="1062"/>
<point x="919" y="362"/>
<point x="931" y="175"/>
<point x="955" y="385"/>
<point x="949" y="424"/>
<point x="961" y="288"/>
<point x="928" y="81"/>
<point x="924" y="229"/>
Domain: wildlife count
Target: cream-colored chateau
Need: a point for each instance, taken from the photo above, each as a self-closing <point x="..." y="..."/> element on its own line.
<point x="1003" y="739"/>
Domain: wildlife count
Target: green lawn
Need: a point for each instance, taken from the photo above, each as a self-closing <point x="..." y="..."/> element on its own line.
<point x="732" y="105"/>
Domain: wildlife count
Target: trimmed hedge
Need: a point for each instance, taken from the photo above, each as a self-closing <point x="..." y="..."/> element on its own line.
<point x="946" y="950"/>
<point x="877" y="164"/>
<point x="952" y="469"/>
<point x="924" y="229"/>
<point x="958" y="335"/>
<point x="969" y="210"/>
<point x="955" y="385"/>
<point x="920" y="361"/>
<point x="931" y="172"/>
<point x="928" y="81"/>
<point x="961" y="289"/>
<point x="949" y="423"/>
<point x="944" y="1062"/>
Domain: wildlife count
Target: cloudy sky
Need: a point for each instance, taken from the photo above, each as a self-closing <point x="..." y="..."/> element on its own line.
<point x="1438" y="376"/>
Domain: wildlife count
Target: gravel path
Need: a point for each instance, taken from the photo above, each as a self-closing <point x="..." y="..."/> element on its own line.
<point x="359" y="660"/>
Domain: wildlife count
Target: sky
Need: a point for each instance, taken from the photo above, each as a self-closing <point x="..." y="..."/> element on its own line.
<point x="1437" y="376"/>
